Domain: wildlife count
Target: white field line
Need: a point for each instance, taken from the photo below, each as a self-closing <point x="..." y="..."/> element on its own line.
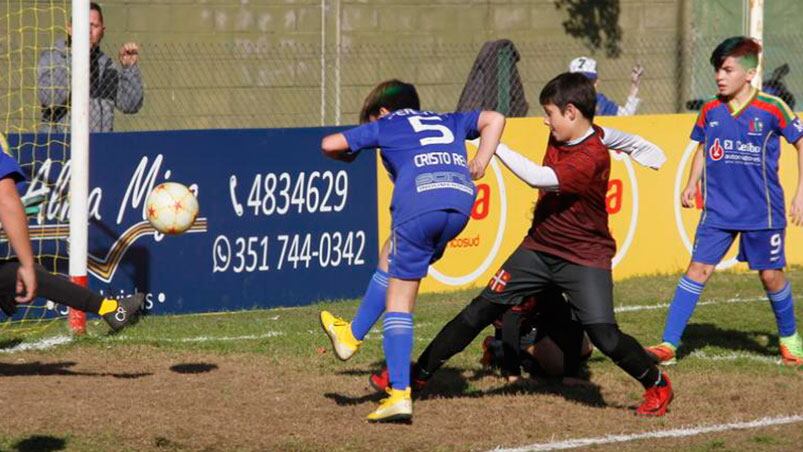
<point x="41" y="344"/>
<point x="650" y="307"/>
<point x="249" y="337"/>
<point x="674" y="433"/>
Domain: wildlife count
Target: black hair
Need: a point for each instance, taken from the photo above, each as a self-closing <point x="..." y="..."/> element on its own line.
<point x="742" y="47"/>
<point x="391" y="94"/>
<point x="93" y="6"/>
<point x="571" y="88"/>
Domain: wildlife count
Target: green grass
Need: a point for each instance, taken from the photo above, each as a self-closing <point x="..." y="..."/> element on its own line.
<point x="718" y="328"/>
<point x="732" y="333"/>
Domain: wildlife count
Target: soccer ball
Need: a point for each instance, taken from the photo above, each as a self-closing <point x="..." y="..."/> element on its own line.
<point x="171" y="208"/>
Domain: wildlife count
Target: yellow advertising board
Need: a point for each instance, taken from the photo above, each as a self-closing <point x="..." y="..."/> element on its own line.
<point x="653" y="233"/>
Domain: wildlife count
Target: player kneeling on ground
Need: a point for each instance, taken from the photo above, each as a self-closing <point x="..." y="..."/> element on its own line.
<point x="538" y="337"/>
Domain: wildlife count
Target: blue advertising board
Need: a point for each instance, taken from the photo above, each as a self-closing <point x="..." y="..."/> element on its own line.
<point x="279" y="224"/>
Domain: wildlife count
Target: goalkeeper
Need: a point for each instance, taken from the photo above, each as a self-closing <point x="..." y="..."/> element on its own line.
<point x="21" y="280"/>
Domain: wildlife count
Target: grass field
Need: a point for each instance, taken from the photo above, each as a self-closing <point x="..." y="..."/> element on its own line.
<point x="266" y="380"/>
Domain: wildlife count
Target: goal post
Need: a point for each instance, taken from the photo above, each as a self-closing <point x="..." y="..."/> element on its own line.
<point x="79" y="154"/>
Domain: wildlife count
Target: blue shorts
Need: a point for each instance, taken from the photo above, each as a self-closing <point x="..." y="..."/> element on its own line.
<point x="762" y="249"/>
<point x="417" y="243"/>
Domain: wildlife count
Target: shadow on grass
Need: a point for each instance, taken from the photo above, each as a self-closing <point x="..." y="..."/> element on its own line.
<point x="193" y="368"/>
<point x="40" y="443"/>
<point x="699" y="335"/>
<point x="449" y="383"/>
<point x="9" y="343"/>
<point x="61" y="368"/>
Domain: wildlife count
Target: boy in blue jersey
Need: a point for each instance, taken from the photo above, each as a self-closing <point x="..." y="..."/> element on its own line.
<point x="606" y="107"/>
<point x="433" y="196"/>
<point x="737" y="163"/>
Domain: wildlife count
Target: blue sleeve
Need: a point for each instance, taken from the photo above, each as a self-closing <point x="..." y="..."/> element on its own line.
<point x="698" y="132"/>
<point x="469" y="122"/>
<point x="793" y="131"/>
<point x="364" y="136"/>
<point x="606" y="107"/>
<point x="10" y="168"/>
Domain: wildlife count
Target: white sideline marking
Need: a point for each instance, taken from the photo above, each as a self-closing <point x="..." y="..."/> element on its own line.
<point x="204" y="338"/>
<point x="650" y="307"/>
<point x="674" y="433"/>
<point x="733" y="356"/>
<point x="42" y="344"/>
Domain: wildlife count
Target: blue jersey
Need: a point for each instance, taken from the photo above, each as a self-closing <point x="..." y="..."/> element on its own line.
<point x="425" y="154"/>
<point x="605" y="106"/>
<point x="10" y="168"/>
<point x="741" y="188"/>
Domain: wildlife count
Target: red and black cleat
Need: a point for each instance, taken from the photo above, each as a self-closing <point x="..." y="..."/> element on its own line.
<point x="381" y="381"/>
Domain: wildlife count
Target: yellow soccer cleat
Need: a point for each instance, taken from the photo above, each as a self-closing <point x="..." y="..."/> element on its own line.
<point x="339" y="332"/>
<point x="398" y="407"/>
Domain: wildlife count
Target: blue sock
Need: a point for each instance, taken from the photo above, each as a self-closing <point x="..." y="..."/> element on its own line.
<point x="686" y="295"/>
<point x="398" y="344"/>
<point x="372" y="305"/>
<point x="784" y="309"/>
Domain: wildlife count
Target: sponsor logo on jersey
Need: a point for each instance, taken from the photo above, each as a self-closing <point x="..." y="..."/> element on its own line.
<point x="716" y="151"/>
<point x="798" y="126"/>
<point x="755" y="127"/>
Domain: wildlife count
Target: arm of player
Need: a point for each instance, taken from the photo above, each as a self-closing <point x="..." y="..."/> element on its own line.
<point x="534" y="175"/>
<point x="15" y="225"/>
<point x="631" y="105"/>
<point x="336" y="146"/>
<point x="491" y="124"/>
<point x="796" y="210"/>
<point x="696" y="172"/>
<point x="644" y="152"/>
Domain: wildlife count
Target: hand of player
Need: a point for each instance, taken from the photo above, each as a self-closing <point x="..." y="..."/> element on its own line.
<point x="796" y="210"/>
<point x="476" y="168"/>
<point x="347" y="156"/>
<point x="129" y="54"/>
<point x="636" y="73"/>
<point x="688" y="196"/>
<point x="26" y="284"/>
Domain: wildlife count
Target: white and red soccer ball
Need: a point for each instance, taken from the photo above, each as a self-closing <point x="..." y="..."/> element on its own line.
<point x="171" y="208"/>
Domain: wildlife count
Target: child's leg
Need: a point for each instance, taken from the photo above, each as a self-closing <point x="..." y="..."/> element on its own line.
<point x="456" y="335"/>
<point x="779" y="292"/>
<point x="373" y="302"/>
<point x="687" y="293"/>
<point x="398" y="330"/>
<point x="710" y="246"/>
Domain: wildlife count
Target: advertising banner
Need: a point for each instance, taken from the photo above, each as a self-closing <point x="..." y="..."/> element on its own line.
<point x="279" y="224"/>
<point x="653" y="233"/>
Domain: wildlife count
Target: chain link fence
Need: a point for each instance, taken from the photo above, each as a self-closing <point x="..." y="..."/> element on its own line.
<point x="242" y="85"/>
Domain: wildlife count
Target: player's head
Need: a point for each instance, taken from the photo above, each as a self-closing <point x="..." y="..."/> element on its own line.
<point x="735" y="61"/>
<point x="96" y="27"/>
<point x="387" y="97"/>
<point x="569" y="101"/>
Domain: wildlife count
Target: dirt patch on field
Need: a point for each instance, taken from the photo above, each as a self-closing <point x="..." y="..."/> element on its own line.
<point x="146" y="398"/>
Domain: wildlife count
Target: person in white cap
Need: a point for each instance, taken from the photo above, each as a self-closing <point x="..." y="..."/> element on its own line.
<point x="606" y="107"/>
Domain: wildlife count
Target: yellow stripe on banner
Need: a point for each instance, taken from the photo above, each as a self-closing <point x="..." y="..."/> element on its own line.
<point x="653" y="233"/>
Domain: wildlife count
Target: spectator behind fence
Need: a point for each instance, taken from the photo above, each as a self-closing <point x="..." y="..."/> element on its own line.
<point x="606" y="107"/>
<point x="110" y="87"/>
